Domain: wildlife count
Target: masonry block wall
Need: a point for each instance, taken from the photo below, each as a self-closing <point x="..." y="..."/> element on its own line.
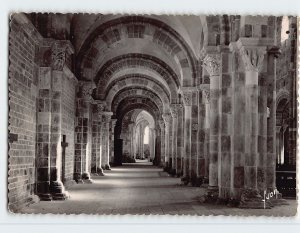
<point x="68" y="122"/>
<point x="22" y="114"/>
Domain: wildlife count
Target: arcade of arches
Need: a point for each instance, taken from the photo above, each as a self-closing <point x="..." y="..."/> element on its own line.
<point x="210" y="99"/>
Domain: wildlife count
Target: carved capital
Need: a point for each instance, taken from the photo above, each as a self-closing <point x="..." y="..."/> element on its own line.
<point x="167" y="117"/>
<point x="161" y="124"/>
<point x="253" y="57"/>
<point x="60" y="49"/>
<point x="187" y="98"/>
<point x="175" y="108"/>
<point x="212" y="63"/>
<point x="87" y="90"/>
<point x="113" y="122"/>
<point x="204" y="88"/>
<point x="106" y="116"/>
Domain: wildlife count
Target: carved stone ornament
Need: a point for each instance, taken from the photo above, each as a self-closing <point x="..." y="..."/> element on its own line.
<point x="113" y="123"/>
<point x="106" y="117"/>
<point x="58" y="56"/>
<point x="100" y="107"/>
<point x="187" y="98"/>
<point x="161" y="124"/>
<point x="253" y="58"/>
<point x="174" y="108"/>
<point x="207" y="95"/>
<point x="212" y="63"/>
<point x="167" y="118"/>
<point x="87" y="90"/>
<point x="204" y="88"/>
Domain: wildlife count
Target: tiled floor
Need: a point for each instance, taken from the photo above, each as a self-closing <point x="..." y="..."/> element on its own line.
<point x="143" y="189"/>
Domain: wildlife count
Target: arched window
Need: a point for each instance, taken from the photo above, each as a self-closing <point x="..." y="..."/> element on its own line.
<point x="284" y="28"/>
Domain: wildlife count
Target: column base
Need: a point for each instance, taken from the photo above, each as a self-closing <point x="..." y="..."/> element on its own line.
<point x="212" y="194"/>
<point x="45" y="196"/>
<point x="185" y="180"/>
<point x="100" y="171"/>
<point x="61" y="196"/>
<point x="78" y="178"/>
<point x="196" y="181"/>
<point x="172" y="172"/>
<point x="86" y="178"/>
<point x="69" y="183"/>
<point x="107" y="167"/>
<point x="251" y="199"/>
<point x="57" y="190"/>
<point x="178" y="174"/>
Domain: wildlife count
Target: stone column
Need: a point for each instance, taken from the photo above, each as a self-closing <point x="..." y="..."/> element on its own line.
<point x="44" y="134"/>
<point x="174" y="115"/>
<point x="225" y="133"/>
<point x="132" y="138"/>
<point x="178" y="137"/>
<point x="57" y="188"/>
<point x="151" y="143"/>
<point x="142" y="127"/>
<point x="162" y="142"/>
<point x="157" y="158"/>
<point x="255" y="125"/>
<point x="270" y="92"/>
<point x="96" y="168"/>
<point x="187" y="101"/>
<point x="212" y="63"/>
<point x="49" y="120"/>
<point x="83" y="125"/>
<point x="167" y="120"/>
<point x="105" y="140"/>
<point x="112" y="140"/>
<point x="203" y="134"/>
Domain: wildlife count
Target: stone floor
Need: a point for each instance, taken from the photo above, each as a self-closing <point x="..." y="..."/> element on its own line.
<point x="143" y="189"/>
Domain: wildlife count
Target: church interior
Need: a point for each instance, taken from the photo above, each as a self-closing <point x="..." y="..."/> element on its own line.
<point x="208" y="102"/>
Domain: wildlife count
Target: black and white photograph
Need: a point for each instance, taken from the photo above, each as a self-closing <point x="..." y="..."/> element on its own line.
<point x="152" y="114"/>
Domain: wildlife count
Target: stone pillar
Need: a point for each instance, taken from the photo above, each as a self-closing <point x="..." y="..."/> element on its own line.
<point x="203" y="134"/>
<point x="269" y="91"/>
<point x="225" y="132"/>
<point x="142" y="128"/>
<point x="44" y="134"/>
<point x="167" y="120"/>
<point x="177" y="110"/>
<point x="132" y="138"/>
<point x="96" y="168"/>
<point x="157" y="158"/>
<point x="187" y="101"/>
<point x="249" y="173"/>
<point x="57" y="188"/>
<point x="174" y="114"/>
<point x="207" y="135"/>
<point x="212" y="63"/>
<point x="49" y="120"/>
<point x="105" y="140"/>
<point x="151" y="143"/>
<point x="162" y="142"/>
<point x="112" y="140"/>
<point x="170" y="142"/>
<point x="83" y="125"/>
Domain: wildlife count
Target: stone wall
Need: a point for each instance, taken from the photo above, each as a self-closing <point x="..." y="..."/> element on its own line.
<point x="22" y="112"/>
<point x="68" y="121"/>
